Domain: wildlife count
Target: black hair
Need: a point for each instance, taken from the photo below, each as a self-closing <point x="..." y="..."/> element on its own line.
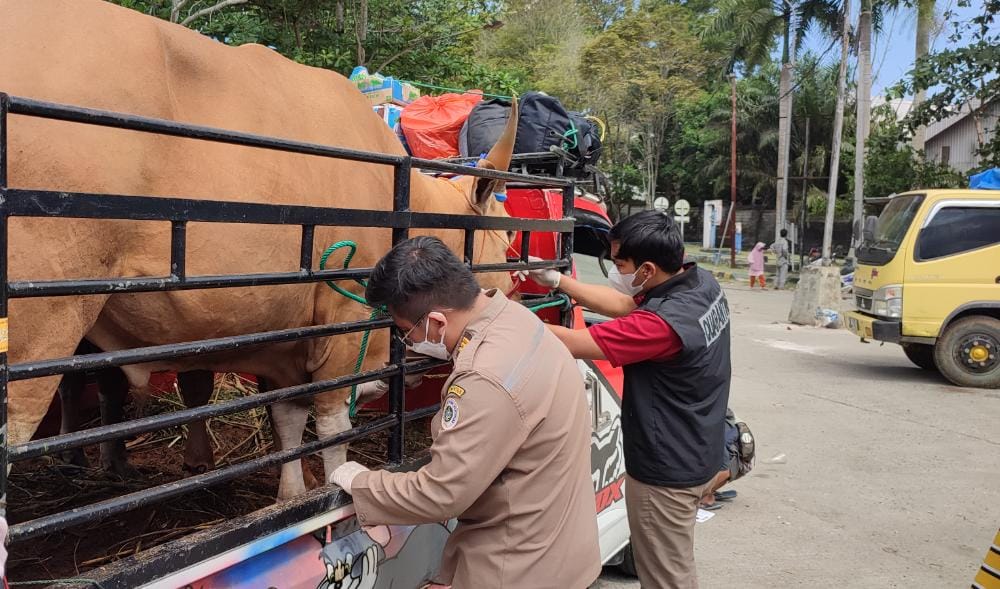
<point x="418" y="276"/>
<point x="650" y="236"/>
<point x="784" y="233"/>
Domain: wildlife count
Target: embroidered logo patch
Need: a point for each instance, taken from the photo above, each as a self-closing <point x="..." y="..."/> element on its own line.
<point x="449" y="417"/>
<point x="456" y="390"/>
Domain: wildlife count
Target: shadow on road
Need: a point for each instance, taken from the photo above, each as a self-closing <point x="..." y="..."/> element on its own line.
<point x="894" y="373"/>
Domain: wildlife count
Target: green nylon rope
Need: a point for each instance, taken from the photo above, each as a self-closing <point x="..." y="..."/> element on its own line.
<point x="455" y="90"/>
<point x="363" y="351"/>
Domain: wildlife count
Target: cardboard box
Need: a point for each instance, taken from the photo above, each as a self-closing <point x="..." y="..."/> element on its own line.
<point x="390" y="113"/>
<point x="384" y="96"/>
<point x="383" y="89"/>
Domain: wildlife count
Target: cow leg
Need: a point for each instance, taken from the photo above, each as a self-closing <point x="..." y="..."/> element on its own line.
<point x="331" y="419"/>
<point x="70" y="390"/>
<point x="308" y="478"/>
<point x="289" y="423"/>
<point x="113" y="394"/>
<point x="196" y="389"/>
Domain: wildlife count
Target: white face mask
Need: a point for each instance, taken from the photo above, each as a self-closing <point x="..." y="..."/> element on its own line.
<point x="623" y="282"/>
<point x="428" y="348"/>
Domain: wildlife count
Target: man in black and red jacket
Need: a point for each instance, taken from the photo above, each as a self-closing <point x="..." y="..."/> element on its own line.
<point x="670" y="332"/>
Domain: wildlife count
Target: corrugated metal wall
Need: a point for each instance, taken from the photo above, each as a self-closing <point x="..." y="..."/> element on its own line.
<point x="960" y="140"/>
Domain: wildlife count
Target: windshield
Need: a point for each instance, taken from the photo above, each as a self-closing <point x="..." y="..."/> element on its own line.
<point x="891" y="229"/>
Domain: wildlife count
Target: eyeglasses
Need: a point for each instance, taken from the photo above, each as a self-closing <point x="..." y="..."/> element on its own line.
<point x="405" y="338"/>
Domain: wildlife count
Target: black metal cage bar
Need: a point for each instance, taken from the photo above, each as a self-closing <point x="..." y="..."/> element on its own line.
<point x="179" y="212"/>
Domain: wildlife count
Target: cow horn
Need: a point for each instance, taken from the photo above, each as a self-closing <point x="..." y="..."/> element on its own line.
<point x="502" y="152"/>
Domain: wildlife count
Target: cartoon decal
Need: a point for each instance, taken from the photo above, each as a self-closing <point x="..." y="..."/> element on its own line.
<point x="343" y="556"/>
<point x="607" y="458"/>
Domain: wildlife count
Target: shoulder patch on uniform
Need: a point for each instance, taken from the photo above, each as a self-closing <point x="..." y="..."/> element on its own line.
<point x="449" y="415"/>
<point x="456" y="390"/>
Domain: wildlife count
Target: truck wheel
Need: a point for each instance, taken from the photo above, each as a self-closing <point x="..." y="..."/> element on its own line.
<point x="628" y="562"/>
<point x="969" y="352"/>
<point x="921" y="354"/>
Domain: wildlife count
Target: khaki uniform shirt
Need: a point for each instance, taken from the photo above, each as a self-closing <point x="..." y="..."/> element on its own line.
<point x="510" y="459"/>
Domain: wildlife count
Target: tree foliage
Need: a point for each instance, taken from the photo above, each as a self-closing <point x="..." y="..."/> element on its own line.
<point x="893" y="166"/>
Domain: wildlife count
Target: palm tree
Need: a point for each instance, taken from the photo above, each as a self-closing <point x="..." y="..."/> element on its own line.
<point x="754" y="25"/>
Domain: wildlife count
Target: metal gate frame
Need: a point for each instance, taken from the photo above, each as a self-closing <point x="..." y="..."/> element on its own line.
<point x="178" y="212"/>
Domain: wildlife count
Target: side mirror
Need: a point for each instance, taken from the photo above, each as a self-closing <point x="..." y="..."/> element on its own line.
<point x="871" y="223"/>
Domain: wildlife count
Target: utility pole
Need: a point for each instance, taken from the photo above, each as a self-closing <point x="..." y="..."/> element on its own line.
<point x="732" y="180"/>
<point x="864" y="114"/>
<point x="805" y="200"/>
<point x="838" y="129"/>
<point x="785" y="96"/>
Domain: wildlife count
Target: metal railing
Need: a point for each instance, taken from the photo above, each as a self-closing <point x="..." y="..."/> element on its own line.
<point x="16" y="202"/>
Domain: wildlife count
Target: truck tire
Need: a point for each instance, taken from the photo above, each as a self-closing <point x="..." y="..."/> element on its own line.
<point x="921" y="354"/>
<point x="628" y="562"/>
<point x="968" y="354"/>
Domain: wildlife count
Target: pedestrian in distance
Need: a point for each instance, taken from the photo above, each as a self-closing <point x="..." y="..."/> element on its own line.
<point x="510" y="456"/>
<point x="756" y="260"/>
<point x="781" y="251"/>
<point x="670" y="331"/>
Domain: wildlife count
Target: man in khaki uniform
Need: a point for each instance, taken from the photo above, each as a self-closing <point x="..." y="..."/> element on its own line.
<point x="511" y="451"/>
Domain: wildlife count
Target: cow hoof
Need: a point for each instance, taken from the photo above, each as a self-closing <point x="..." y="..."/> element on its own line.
<point x="76" y="457"/>
<point x="121" y="469"/>
<point x="196" y="469"/>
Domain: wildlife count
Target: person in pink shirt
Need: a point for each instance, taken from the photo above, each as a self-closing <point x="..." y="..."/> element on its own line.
<point x="756" y="259"/>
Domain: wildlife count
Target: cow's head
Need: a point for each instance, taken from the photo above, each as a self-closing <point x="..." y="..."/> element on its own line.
<point x="478" y="198"/>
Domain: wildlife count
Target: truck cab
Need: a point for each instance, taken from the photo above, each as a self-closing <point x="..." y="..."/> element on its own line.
<point x="928" y="279"/>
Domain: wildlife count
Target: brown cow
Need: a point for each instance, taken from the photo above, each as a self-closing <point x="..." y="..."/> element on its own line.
<point x="98" y="55"/>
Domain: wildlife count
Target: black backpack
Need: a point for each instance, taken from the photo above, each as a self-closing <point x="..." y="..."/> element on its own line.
<point x="483" y="127"/>
<point x="543" y="124"/>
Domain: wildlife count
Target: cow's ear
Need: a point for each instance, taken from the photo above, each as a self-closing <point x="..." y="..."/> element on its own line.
<point x="497" y="159"/>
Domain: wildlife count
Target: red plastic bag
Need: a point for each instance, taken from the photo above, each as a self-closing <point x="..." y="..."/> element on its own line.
<point x="431" y="123"/>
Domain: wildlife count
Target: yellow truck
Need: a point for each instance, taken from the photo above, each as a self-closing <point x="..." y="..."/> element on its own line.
<point x="928" y="278"/>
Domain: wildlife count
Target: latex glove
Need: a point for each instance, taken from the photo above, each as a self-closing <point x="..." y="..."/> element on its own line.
<point x="344" y="475"/>
<point x="368" y="392"/>
<point x="371" y="391"/>
<point x="3" y="547"/>
<point x="548" y="277"/>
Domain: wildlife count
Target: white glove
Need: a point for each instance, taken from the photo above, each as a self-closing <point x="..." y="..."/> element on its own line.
<point x="373" y="390"/>
<point x="344" y="475"/>
<point x="548" y="277"/>
<point x="368" y="392"/>
<point x="3" y="547"/>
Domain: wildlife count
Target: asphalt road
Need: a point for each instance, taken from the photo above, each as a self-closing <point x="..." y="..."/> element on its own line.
<point x="870" y="472"/>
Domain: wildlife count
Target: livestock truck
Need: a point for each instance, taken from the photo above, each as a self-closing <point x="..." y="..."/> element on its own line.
<point x="312" y="540"/>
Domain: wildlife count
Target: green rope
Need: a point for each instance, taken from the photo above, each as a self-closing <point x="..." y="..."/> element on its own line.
<point x="347" y="261"/>
<point x="571" y="132"/>
<point x="375" y="312"/>
<point x="562" y="302"/>
<point x="455" y="90"/>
